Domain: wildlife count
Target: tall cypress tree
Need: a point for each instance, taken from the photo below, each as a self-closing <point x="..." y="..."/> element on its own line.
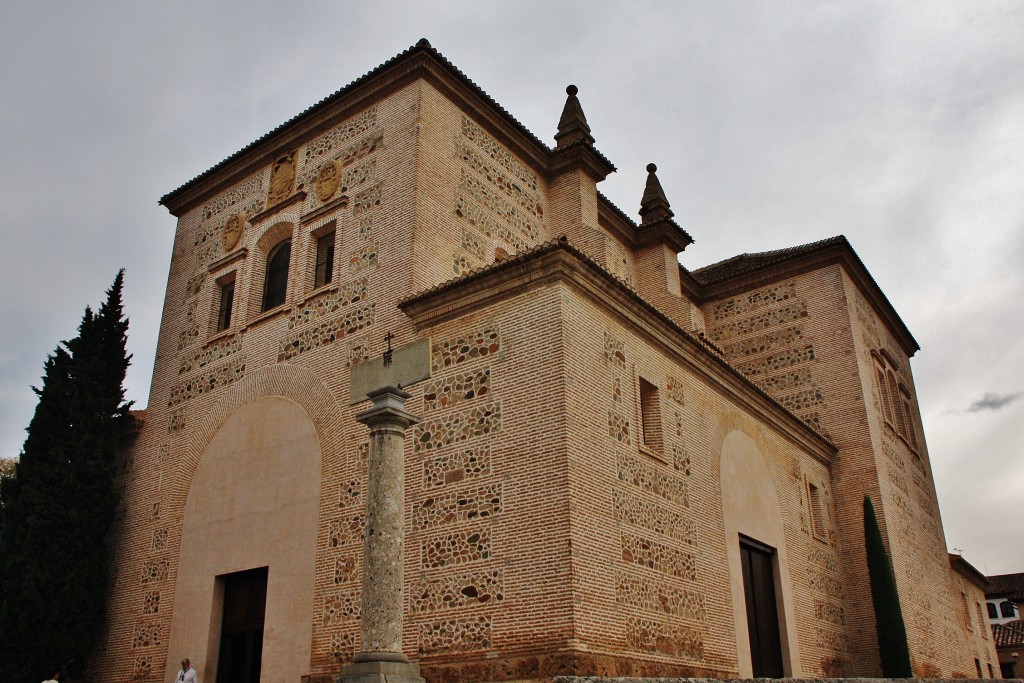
<point x="58" y="508"/>
<point x="893" y="650"/>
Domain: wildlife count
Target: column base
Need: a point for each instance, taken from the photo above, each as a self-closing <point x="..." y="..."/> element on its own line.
<point x="381" y="667"/>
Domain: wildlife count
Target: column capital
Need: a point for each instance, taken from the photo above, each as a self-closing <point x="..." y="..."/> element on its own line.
<point x="388" y="408"/>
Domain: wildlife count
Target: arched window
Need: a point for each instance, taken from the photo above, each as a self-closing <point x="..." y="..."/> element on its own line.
<point x="276" y="283"/>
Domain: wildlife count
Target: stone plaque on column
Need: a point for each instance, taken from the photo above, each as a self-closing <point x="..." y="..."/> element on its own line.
<point x="380" y="658"/>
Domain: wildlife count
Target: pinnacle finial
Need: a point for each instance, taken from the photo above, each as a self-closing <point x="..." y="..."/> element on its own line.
<point x="654" y="205"/>
<point x="423" y="42"/>
<point x="572" y="126"/>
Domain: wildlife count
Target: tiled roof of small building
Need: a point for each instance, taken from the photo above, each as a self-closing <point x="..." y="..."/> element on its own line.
<point x="423" y="45"/>
<point x="1006" y="585"/>
<point x="1010" y="634"/>
<point x="746" y="263"/>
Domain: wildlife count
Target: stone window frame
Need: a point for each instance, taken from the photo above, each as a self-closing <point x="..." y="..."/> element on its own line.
<point x="317" y="240"/>
<point x="650" y="418"/>
<point x="816" y="510"/>
<point x="226" y="283"/>
<point x="897" y="403"/>
<point x="268" y="242"/>
<point x="275" y="276"/>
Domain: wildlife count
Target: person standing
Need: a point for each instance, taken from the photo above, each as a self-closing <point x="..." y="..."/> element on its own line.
<point x="187" y="673"/>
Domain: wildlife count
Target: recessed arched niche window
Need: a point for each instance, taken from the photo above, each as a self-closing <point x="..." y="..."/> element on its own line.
<point x="275" y="285"/>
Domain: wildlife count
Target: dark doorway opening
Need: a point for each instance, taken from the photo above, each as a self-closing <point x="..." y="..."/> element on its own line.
<point x="241" y="633"/>
<point x="762" y="610"/>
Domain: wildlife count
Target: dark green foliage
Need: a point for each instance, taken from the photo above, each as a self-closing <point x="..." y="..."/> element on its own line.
<point x="893" y="650"/>
<point x="57" y="510"/>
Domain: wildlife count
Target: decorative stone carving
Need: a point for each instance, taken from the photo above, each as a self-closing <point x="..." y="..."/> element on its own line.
<point x="232" y="231"/>
<point x="282" y="180"/>
<point x="328" y="179"/>
<point x="235" y="195"/>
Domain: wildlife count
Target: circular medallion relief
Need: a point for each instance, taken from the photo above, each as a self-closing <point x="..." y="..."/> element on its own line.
<point x="232" y="231"/>
<point x="327" y="180"/>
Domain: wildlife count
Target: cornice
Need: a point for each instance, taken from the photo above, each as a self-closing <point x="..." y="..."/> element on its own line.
<point x="580" y="156"/>
<point x="665" y="231"/>
<point x="559" y="262"/>
<point x="637" y="236"/>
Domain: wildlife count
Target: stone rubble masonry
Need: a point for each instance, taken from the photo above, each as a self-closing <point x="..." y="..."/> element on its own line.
<point x="564" y="504"/>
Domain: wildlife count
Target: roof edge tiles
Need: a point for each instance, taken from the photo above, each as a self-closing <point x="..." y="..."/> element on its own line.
<point x="1010" y="634"/>
<point x="420" y="60"/>
<point x="1006" y="585"/>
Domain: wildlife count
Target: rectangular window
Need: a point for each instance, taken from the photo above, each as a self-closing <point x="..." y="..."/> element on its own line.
<point x="1008" y="610"/>
<point x="324" y="260"/>
<point x="897" y="406"/>
<point x="227" y="302"/>
<point x="981" y="622"/>
<point x="883" y="395"/>
<point x="967" y="611"/>
<point x="909" y="414"/>
<point x="992" y="613"/>
<point x="650" y="416"/>
<point x="817" y="512"/>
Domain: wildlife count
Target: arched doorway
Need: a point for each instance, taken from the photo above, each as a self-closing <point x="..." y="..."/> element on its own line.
<point x="758" y="564"/>
<point x="250" y="516"/>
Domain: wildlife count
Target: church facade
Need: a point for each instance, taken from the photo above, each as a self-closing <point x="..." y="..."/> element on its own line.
<point x="621" y="466"/>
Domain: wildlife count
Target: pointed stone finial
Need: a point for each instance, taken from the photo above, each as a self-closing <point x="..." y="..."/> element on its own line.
<point x="572" y="127"/>
<point x="654" y="205"/>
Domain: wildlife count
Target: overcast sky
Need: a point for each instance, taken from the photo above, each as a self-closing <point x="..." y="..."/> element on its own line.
<point x="899" y="125"/>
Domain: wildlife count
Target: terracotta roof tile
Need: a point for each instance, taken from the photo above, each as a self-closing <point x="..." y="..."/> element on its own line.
<point x="422" y="46"/>
<point x="1006" y="585"/>
<point x="746" y="263"/>
<point x="1010" y="634"/>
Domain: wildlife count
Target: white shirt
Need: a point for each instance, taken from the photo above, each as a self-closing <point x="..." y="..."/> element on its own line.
<point x="189" y="676"/>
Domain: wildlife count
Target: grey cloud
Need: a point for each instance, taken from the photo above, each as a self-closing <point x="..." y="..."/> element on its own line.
<point x="772" y="124"/>
<point x="992" y="401"/>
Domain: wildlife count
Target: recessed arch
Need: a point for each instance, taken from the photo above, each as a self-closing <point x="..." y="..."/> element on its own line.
<point x="751" y="510"/>
<point x="249" y="497"/>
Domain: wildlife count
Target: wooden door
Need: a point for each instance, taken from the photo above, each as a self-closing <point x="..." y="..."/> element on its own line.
<point x="762" y="611"/>
<point x="241" y="635"/>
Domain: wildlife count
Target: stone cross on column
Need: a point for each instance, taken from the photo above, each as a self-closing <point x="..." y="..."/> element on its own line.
<point x="381" y="618"/>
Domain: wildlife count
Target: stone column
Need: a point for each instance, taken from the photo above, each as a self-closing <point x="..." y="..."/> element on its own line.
<point x="381" y="616"/>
